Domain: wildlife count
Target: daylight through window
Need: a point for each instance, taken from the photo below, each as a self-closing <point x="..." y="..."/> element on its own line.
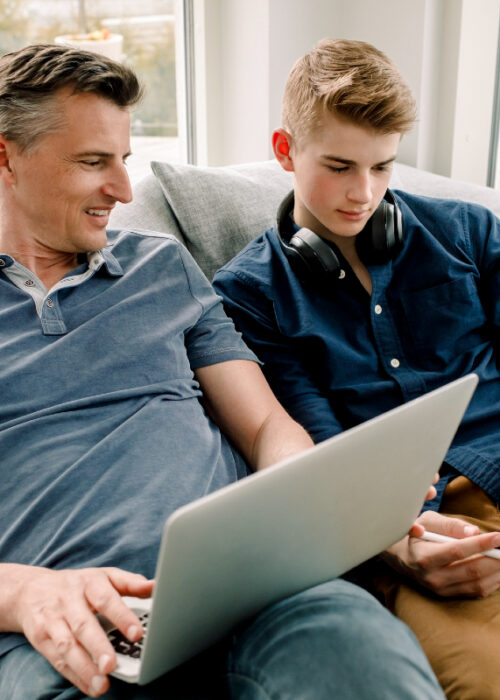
<point x="145" y="34"/>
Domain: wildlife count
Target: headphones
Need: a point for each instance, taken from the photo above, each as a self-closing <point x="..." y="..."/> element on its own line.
<point x="314" y="258"/>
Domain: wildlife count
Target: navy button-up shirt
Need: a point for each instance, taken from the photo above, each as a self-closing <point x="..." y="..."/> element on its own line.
<point x="337" y="357"/>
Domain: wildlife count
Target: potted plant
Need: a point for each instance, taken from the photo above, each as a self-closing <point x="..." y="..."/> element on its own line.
<point x="99" y="41"/>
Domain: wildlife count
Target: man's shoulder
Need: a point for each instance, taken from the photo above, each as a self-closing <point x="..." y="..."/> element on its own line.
<point x="135" y="244"/>
<point x="138" y="235"/>
<point x="155" y="253"/>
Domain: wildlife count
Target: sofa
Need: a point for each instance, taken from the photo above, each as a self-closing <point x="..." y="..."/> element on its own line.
<point x="216" y="211"/>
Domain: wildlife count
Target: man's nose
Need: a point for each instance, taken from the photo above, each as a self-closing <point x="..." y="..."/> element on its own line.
<point x="118" y="186"/>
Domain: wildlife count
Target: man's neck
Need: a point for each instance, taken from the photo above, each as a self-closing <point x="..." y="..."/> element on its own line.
<point x="22" y="244"/>
<point x="50" y="271"/>
<point x="48" y="267"/>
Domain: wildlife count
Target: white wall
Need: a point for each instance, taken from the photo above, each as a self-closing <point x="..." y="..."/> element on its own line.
<point x="474" y="94"/>
<point x="445" y="49"/>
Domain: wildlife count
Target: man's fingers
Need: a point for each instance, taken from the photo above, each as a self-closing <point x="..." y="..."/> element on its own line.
<point x="108" y="602"/>
<point x="88" y="633"/>
<point x="130" y="584"/>
<point x="62" y="650"/>
<point x="57" y="614"/>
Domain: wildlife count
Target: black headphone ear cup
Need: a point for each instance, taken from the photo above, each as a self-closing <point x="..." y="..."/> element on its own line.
<point x="312" y="258"/>
<point x="398" y="227"/>
<point x="382" y="237"/>
<point x="382" y="230"/>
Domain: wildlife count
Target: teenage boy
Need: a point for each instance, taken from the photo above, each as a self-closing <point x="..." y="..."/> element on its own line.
<point x="361" y="299"/>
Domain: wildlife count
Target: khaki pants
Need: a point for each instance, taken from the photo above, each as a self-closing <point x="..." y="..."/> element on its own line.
<point x="461" y="637"/>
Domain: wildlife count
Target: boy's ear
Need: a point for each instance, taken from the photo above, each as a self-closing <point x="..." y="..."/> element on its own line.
<point x="282" y="142"/>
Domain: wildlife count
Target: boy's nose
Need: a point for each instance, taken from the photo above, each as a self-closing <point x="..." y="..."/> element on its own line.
<point x="360" y="188"/>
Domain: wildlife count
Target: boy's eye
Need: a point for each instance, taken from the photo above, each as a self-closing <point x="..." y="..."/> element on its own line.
<point x="335" y="169"/>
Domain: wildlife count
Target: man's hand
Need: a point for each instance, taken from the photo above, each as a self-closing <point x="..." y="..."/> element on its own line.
<point x="448" y="569"/>
<point x="56" y="612"/>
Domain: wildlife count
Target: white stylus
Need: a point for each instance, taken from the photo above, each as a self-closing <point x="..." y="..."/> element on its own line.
<point x="434" y="537"/>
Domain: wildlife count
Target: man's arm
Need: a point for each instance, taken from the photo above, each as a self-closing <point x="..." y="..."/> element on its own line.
<point x="238" y="398"/>
<point x="55" y="611"/>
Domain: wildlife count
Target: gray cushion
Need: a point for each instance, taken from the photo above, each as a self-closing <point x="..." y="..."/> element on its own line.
<point x="425" y="183"/>
<point x="219" y="210"/>
<point x="148" y="210"/>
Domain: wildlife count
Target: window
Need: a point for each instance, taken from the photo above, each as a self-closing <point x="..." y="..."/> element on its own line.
<point x="494" y="161"/>
<point x="150" y="30"/>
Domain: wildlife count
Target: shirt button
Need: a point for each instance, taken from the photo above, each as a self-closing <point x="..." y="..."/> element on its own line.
<point x="341" y="274"/>
<point x="395" y="362"/>
<point x="29" y="283"/>
<point x="50" y="303"/>
<point x="377" y="309"/>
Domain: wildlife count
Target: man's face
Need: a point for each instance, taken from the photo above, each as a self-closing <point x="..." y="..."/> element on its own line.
<point x="62" y="193"/>
<point x="341" y="173"/>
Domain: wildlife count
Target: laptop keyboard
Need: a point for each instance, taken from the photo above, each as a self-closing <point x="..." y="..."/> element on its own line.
<point x="123" y="646"/>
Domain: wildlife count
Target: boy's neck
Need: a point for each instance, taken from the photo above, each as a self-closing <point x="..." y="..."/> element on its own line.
<point x="359" y="269"/>
<point x="347" y="246"/>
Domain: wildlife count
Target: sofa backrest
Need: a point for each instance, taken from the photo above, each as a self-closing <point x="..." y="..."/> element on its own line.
<point x="215" y="212"/>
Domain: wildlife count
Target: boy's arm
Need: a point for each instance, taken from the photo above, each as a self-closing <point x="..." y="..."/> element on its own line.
<point x="284" y="366"/>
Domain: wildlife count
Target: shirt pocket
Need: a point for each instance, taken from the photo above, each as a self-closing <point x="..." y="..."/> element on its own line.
<point x="444" y="321"/>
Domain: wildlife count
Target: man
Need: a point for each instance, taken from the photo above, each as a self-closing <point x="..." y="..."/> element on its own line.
<point x="360" y="300"/>
<point x="118" y="367"/>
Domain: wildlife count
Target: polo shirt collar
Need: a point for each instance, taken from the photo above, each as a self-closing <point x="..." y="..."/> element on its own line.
<point x="105" y="257"/>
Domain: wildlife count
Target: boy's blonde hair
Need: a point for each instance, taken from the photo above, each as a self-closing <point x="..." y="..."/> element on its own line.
<point x="351" y="80"/>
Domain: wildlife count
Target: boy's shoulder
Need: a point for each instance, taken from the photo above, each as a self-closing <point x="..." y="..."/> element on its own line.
<point x="255" y="257"/>
<point x="425" y="206"/>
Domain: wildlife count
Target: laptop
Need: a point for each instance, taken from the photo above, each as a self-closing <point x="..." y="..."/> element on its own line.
<point x="298" y="523"/>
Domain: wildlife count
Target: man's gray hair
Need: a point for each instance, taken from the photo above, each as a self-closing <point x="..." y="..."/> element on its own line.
<point x="31" y="78"/>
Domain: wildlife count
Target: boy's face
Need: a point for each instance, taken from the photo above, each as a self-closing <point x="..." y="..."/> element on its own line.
<point x="341" y="173"/>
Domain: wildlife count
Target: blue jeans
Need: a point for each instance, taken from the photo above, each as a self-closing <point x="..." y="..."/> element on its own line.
<point x="331" y="641"/>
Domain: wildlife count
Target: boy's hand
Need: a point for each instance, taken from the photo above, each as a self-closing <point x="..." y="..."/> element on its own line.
<point x="448" y="569"/>
<point x="432" y="490"/>
<point x="56" y="612"/>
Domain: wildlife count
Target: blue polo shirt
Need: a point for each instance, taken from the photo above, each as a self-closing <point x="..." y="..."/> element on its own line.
<point x="337" y="357"/>
<point x="102" y="432"/>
